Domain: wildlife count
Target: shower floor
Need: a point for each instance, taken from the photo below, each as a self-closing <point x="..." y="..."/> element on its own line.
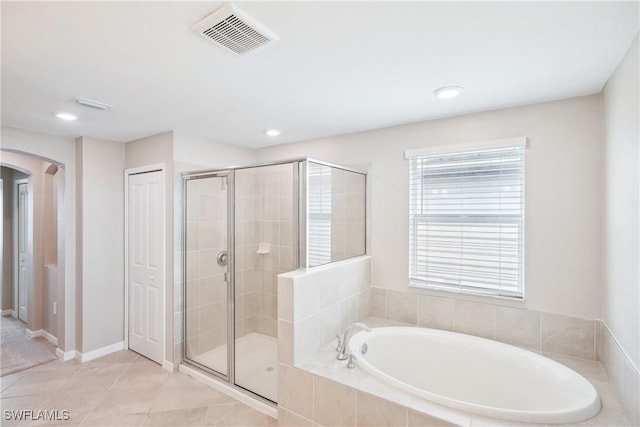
<point x="256" y="363"/>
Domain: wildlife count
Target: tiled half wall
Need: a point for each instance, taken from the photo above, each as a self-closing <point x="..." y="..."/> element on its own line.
<point x="316" y="305"/>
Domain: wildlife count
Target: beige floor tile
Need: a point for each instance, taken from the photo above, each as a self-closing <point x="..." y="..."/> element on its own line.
<point x="94" y="379"/>
<point x="19" y="403"/>
<point x="69" y="367"/>
<point x="180" y="395"/>
<point x="57" y="420"/>
<point x="115" y="420"/>
<point x="219" y="415"/>
<point x="78" y="403"/>
<point x="236" y="415"/>
<point x="219" y="398"/>
<point x="128" y="401"/>
<point x="36" y="383"/>
<point x="123" y="389"/>
<point x="142" y="375"/>
<point x="18" y="389"/>
<point x="179" y="417"/>
<point x="8" y="380"/>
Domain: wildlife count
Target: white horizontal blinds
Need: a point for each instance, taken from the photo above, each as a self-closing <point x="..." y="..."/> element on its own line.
<point x="319" y="221"/>
<point x="466" y="221"/>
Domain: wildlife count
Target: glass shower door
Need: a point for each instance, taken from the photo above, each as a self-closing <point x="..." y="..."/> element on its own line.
<point x="207" y="264"/>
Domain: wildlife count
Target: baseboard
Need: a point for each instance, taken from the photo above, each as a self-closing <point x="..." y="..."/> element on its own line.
<point x="34" y="334"/>
<point x="49" y="337"/>
<point x="167" y="366"/>
<point x="65" y="356"/>
<point x="94" y="354"/>
<point x="44" y="334"/>
<point x="7" y="312"/>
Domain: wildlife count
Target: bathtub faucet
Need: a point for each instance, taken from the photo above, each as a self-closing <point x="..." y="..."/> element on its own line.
<point x="343" y="347"/>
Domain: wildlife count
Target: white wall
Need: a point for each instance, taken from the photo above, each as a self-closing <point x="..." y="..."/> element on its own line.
<point x="621" y="291"/>
<point x="563" y="194"/>
<point x="102" y="187"/>
<point x="207" y="153"/>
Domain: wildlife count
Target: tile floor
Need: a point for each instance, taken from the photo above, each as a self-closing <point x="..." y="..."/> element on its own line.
<point x="121" y="389"/>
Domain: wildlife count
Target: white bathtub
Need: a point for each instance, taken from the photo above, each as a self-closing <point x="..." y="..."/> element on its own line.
<point x="476" y="375"/>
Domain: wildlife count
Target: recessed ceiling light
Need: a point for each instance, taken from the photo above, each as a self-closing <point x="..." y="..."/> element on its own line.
<point x="66" y="116"/>
<point x="272" y="132"/>
<point x="447" y="92"/>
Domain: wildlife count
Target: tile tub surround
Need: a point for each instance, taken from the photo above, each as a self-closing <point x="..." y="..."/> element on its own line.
<point x="539" y="331"/>
<point x="322" y="391"/>
<point x="624" y="376"/>
<point x="317" y="304"/>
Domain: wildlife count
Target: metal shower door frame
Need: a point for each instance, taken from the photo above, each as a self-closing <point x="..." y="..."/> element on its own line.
<point x="229" y="174"/>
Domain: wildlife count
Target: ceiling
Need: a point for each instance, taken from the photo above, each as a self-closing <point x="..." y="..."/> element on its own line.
<point x="339" y="67"/>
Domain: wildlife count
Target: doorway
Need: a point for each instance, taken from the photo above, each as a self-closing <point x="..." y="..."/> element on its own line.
<point x="209" y="267"/>
<point x="32" y="326"/>
<point x="22" y="250"/>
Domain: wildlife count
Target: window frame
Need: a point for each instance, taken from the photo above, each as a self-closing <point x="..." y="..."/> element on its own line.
<point x="497" y="219"/>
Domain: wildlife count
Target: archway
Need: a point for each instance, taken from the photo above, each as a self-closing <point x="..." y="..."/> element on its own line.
<point x="46" y="189"/>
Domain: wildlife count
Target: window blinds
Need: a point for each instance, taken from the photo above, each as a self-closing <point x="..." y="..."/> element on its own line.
<point x="467" y="221"/>
<point x="319" y="221"/>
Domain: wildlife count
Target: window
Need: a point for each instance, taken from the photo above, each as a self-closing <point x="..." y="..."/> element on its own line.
<point x="466" y="219"/>
<point x="319" y="221"/>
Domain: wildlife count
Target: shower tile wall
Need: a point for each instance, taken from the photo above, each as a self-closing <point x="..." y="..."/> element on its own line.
<point x="206" y="289"/>
<point x="276" y="229"/>
<point x="247" y="281"/>
<point x="264" y="214"/>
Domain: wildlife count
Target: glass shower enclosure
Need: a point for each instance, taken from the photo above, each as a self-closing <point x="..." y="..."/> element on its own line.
<point x="242" y="227"/>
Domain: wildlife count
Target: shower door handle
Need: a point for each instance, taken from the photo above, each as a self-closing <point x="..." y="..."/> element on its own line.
<point x="222" y="258"/>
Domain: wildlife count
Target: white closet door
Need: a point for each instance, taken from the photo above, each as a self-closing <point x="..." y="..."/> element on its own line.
<point x="146" y="264"/>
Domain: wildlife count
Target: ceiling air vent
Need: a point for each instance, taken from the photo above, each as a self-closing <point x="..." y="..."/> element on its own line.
<point x="234" y="30"/>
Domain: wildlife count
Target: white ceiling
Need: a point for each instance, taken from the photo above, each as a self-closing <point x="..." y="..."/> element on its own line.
<point x="339" y="67"/>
